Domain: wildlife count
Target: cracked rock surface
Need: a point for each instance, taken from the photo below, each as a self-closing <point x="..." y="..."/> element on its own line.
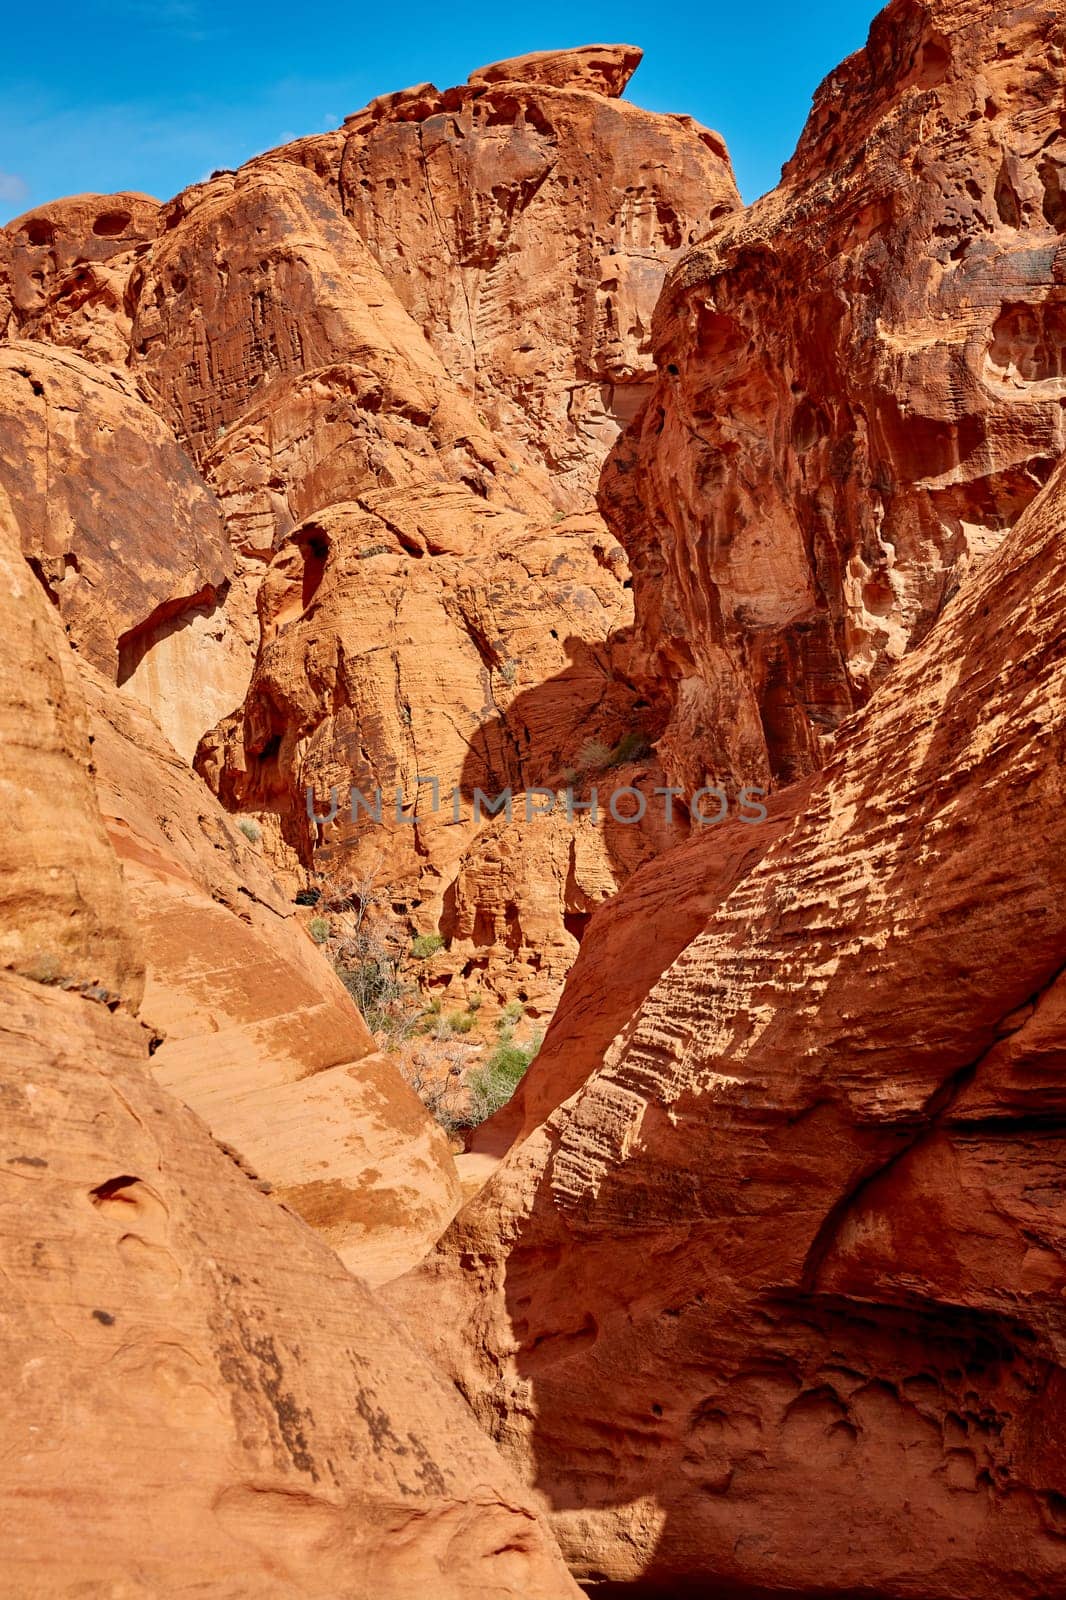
<point x="773" y="1300"/>
<point x="859" y="389"/>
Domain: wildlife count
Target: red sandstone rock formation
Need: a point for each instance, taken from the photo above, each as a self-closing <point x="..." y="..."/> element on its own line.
<point x="57" y="922"/>
<point x="187" y="1359"/>
<point x="333" y="326"/>
<point x="433" y="635"/>
<point x="860" y="387"/>
<point x="599" y="68"/>
<point x="64" y="270"/>
<point x="258" y="1035"/>
<point x="123" y="532"/>
<point x="766" y="1297"/>
<point x="773" y="1302"/>
<point x="184" y="1357"/>
<point x="526" y="221"/>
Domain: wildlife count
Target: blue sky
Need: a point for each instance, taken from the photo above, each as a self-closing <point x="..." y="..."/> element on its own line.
<point x="152" y="94"/>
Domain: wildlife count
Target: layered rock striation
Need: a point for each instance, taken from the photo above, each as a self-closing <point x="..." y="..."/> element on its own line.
<point x="329" y="335"/>
<point x="859" y="389"/>
<point x="773" y="1300"/>
<point x="185" y="1355"/>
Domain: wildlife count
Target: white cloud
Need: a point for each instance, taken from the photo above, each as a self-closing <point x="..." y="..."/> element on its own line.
<point x="13" y="189"/>
<point x="183" y="18"/>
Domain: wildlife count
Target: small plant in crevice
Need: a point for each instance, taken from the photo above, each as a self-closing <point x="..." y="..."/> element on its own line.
<point x="633" y="746"/>
<point x="250" y="828"/>
<point x="495" y="1081"/>
<point x="425" y="945"/>
<point x="437" y="1094"/>
<point x="319" y="929"/>
<point x="369" y="951"/>
<point x="594" y="756"/>
<point x="597" y="756"/>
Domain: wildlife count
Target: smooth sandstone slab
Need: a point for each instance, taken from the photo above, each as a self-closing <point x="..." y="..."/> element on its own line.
<point x="201" y="1398"/>
<point x="259" y="1036"/>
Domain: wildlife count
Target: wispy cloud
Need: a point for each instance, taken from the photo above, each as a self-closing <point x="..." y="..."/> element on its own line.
<point x="13" y="189"/>
<point x="181" y="18"/>
<point x="145" y="145"/>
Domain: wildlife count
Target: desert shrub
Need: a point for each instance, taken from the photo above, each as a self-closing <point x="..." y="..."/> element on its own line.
<point x="437" y="1096"/>
<point x="369" y="953"/>
<point x="513" y="1010"/>
<point x="318" y="928"/>
<point x="251" y="829"/>
<point x="460" y="1021"/>
<point x="495" y="1082"/>
<point x="424" y="945"/>
<point x="376" y="987"/>
<point x="508" y="672"/>
<point x="634" y="746"/>
<point x="594" y="756"/>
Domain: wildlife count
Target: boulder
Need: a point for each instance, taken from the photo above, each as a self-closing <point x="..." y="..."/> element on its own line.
<point x="597" y="68"/>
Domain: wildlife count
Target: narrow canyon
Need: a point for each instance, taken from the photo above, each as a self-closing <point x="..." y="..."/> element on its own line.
<point x="533" y="710"/>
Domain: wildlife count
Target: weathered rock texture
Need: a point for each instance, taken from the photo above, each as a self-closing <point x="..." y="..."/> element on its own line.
<point x="259" y="1036"/>
<point x="599" y="68"/>
<point x="182" y="1356"/>
<point x="526" y="223"/>
<point x="64" y="269"/>
<point x="61" y="891"/>
<point x="774" y="1301"/>
<point x="121" y="529"/>
<point x="860" y="388"/>
<point x="628" y="942"/>
<point x="430" y="324"/>
<point x="434" y="635"/>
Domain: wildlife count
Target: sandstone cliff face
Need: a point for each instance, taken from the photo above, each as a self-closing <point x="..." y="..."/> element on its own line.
<point x="526" y="221"/>
<point x="64" y="269"/>
<point x="774" y="1300"/>
<point x="61" y="891"/>
<point x="184" y="1357"/>
<point x="764" y="1294"/>
<point x="258" y="1035"/>
<point x="859" y="389"/>
<point x="331" y="327"/>
<point x="434" y="636"/>
<point x="122" y="530"/>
